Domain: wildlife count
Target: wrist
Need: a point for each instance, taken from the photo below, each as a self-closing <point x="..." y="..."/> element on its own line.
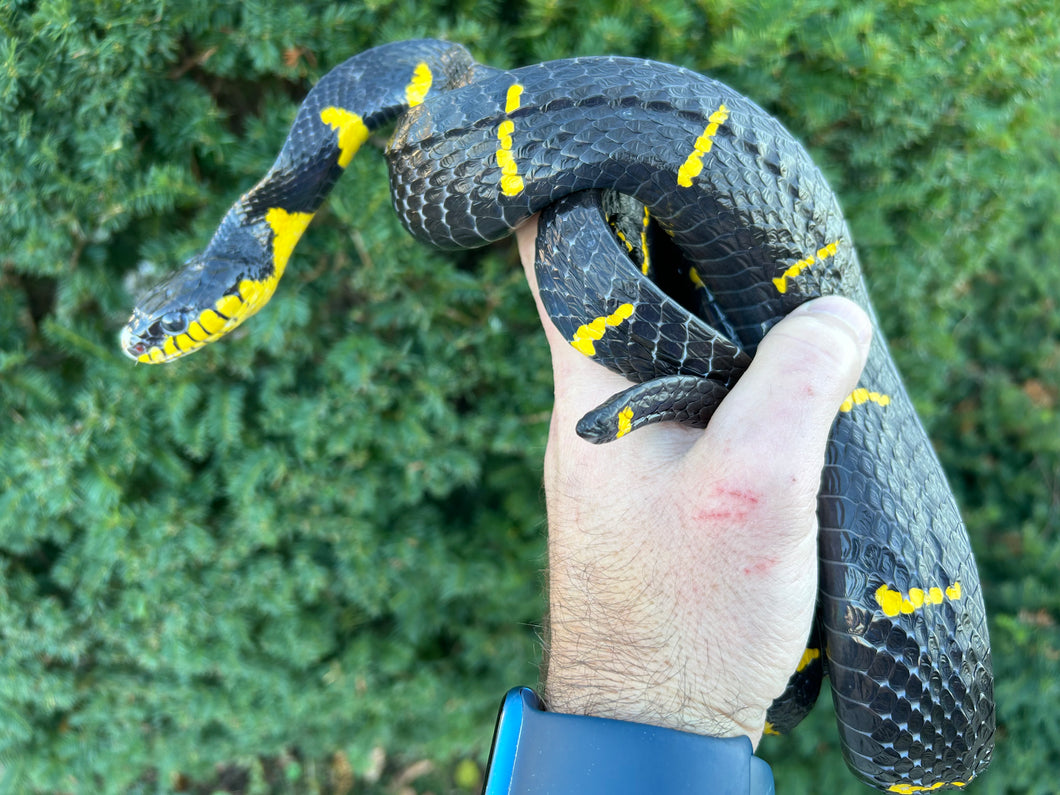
<point x="639" y="692"/>
<point x="640" y="653"/>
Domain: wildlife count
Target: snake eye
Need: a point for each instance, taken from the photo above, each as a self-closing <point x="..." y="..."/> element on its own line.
<point x="173" y="323"/>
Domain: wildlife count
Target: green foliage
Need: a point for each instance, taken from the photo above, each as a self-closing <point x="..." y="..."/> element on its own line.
<point x="323" y="537"/>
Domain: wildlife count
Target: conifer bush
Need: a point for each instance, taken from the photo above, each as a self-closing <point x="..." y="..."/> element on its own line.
<point x="312" y="554"/>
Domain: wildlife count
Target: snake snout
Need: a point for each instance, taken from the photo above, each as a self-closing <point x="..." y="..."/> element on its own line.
<point x="133" y="348"/>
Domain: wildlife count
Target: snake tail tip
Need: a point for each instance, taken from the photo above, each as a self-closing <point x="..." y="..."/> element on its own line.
<point x="590" y="429"/>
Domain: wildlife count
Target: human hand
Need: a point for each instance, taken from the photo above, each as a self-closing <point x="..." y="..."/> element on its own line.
<point x="683" y="562"/>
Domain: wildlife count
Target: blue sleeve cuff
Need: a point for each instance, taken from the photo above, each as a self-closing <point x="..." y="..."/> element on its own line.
<point x="536" y="752"/>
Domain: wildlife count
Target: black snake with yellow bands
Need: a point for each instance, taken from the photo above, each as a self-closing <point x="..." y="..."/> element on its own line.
<point x="750" y="230"/>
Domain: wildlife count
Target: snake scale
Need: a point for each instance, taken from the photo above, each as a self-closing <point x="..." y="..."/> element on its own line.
<point x="747" y="229"/>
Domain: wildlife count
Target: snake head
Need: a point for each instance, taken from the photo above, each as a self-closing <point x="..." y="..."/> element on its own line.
<point x="196" y="305"/>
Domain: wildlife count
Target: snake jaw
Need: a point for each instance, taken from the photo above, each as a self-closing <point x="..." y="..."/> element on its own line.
<point x="144" y="338"/>
<point x="131" y="345"/>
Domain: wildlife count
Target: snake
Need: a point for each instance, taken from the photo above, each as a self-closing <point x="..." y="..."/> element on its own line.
<point x="679" y="222"/>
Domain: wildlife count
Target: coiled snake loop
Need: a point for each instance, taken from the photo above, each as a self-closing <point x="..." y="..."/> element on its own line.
<point x="750" y="230"/>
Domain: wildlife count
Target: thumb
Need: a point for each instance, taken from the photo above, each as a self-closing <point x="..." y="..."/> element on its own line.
<point x="778" y="416"/>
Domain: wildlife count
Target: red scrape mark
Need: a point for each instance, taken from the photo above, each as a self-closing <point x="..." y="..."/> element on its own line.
<point x="728" y="504"/>
<point x="745" y="495"/>
<point x="760" y="567"/>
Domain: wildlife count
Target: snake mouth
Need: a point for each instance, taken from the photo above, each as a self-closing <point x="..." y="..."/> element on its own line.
<point x="133" y="348"/>
<point x="149" y="347"/>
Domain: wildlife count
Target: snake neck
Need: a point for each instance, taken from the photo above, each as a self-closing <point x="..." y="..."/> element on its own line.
<point x="237" y="273"/>
<point x="261" y="231"/>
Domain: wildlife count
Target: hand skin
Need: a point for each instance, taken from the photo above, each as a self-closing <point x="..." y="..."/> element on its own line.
<point x="683" y="562"/>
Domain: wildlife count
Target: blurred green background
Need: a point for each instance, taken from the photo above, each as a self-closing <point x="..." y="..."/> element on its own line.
<point x="309" y="559"/>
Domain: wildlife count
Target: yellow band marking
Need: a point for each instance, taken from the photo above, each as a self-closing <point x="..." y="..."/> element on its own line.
<point x="419" y="85"/>
<point x="908" y="789"/>
<point x="351" y="129"/>
<point x="198" y="334"/>
<point x="697" y="282"/>
<point x="287" y="228"/>
<point x="693" y="164"/>
<point x="513" y="100"/>
<point x="511" y="182"/>
<point x="781" y="282"/>
<point x="862" y="395"/>
<point x="808" y="657"/>
<point x="625" y="422"/>
<point x="504" y="135"/>
<point x="256" y="293"/>
<point x="253" y="294"/>
<point x="770" y="730"/>
<point x="588" y="333"/>
<point x="894" y="602"/>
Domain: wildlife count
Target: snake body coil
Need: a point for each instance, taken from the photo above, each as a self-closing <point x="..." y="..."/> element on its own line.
<point x="476" y="151"/>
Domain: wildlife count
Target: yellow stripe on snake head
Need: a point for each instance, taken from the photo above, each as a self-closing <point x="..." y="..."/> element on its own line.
<point x="197" y="332"/>
<point x="252" y="294"/>
<point x="351" y="129"/>
<point x="228" y="305"/>
<point x="185" y="342"/>
<point x="249" y="296"/>
<point x="256" y="293"/>
<point x="211" y="322"/>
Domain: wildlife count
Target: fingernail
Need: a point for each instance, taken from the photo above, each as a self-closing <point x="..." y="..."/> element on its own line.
<point x="845" y="310"/>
